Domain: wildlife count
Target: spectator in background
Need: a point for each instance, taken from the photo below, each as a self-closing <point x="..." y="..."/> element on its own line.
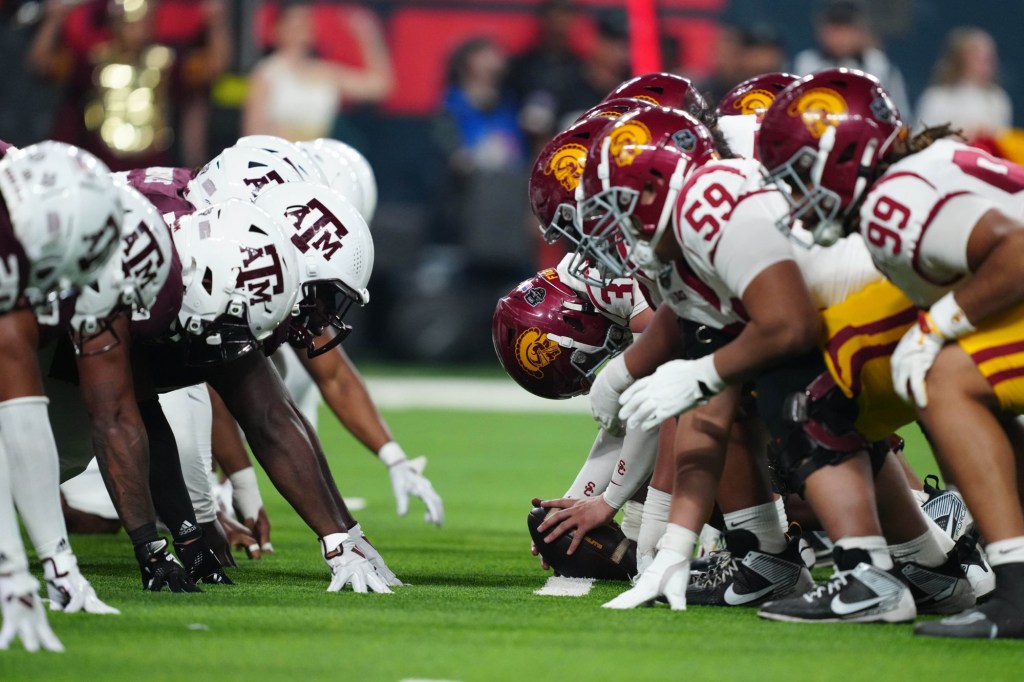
<point x="125" y="92"/>
<point x="296" y="95"/>
<point x="539" y="76"/>
<point x="964" y="91"/>
<point x="744" y="52"/>
<point x="604" y="68"/>
<point x="845" y="39"/>
<point x="728" y="63"/>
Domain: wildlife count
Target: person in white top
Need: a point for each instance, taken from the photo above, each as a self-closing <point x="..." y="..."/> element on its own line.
<point x="964" y="91"/>
<point x="942" y="221"/>
<point x="295" y="95"/>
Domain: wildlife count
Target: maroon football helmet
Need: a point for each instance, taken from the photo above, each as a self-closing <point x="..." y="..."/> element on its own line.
<point x="654" y="150"/>
<point x="612" y="109"/>
<point x="550" y="339"/>
<point x="754" y="95"/>
<point x="559" y="166"/>
<point x="666" y="90"/>
<point x="823" y="137"/>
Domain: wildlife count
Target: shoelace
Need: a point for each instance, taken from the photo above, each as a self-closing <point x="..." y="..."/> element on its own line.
<point x="721" y="567"/>
<point x="835" y="583"/>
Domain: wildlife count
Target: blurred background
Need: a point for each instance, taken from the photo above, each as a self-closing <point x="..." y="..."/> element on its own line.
<point x="450" y="99"/>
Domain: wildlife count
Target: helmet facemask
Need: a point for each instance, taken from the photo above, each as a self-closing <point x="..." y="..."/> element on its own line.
<point x="224" y="339"/>
<point x="323" y="304"/>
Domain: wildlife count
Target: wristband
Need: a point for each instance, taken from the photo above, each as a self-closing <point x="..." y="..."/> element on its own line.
<point x="708" y="374"/>
<point x="391" y="453"/>
<point x="246" y="493"/>
<point x="948" y="319"/>
<point x="619" y="378"/>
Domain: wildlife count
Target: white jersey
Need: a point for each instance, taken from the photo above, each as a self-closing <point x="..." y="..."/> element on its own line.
<point x="620" y="300"/>
<point x="918" y="216"/>
<point x="726" y="223"/>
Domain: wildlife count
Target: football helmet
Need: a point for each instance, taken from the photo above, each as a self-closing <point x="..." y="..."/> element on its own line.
<point x="241" y="279"/>
<point x="65" y="214"/>
<point x="336" y="252"/>
<point x="634" y="172"/>
<point x="130" y="281"/>
<point x="289" y="151"/>
<point x="339" y="174"/>
<point x="823" y="138"/>
<point x="550" y="339"/>
<point x="239" y="173"/>
<point x="753" y="96"/>
<point x="666" y="90"/>
<point x="364" y="172"/>
<point x="612" y="109"/>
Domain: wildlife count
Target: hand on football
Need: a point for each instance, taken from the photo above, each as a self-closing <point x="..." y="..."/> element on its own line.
<point x="580" y="516"/>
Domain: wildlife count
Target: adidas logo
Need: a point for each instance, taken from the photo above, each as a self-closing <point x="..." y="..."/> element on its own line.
<point x="186" y="527"/>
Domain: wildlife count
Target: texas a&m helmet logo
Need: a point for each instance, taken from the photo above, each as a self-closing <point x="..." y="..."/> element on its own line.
<point x="261" y="274"/>
<point x="98" y="244"/>
<point x="819" y="109"/>
<point x="316" y="227"/>
<point x="258" y="182"/>
<point x="535" y="351"/>
<point x="566" y="165"/>
<point x="627" y="141"/>
<point x="141" y="255"/>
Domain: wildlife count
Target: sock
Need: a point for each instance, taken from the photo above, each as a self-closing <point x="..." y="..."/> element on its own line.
<point x="942" y="538"/>
<point x="923" y="550"/>
<point x="875" y="547"/>
<point x="12" y="551"/>
<point x="780" y="509"/>
<point x="1009" y="551"/>
<point x="678" y="539"/>
<point x="762" y="521"/>
<point x="34" y="468"/>
<point x="166" y="483"/>
<point x="655" y="516"/>
<point x="632" y="517"/>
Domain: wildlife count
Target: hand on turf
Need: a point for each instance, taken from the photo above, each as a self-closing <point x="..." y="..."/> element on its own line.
<point x="68" y="589"/>
<point x="674" y="388"/>
<point x="575" y="515"/>
<point x="407" y="479"/>
<point x="605" y="393"/>
<point x="201" y="563"/>
<point x="23" y="615"/>
<point x="349" y="565"/>
<point x="667" y="576"/>
<point x="216" y="539"/>
<point x="160" y="568"/>
<point x="911" y="361"/>
<point x="364" y="545"/>
<point x="259" y="527"/>
<point x="239" y="537"/>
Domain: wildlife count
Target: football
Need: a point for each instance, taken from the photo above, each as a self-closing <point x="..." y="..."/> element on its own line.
<point x="604" y="554"/>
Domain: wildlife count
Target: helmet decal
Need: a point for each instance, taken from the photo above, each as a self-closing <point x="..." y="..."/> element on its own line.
<point x="647" y="98"/>
<point x="145" y="263"/>
<point x="881" y="110"/>
<point x="535" y="352"/>
<point x="566" y="165"/>
<point x="316" y="227"/>
<point x="684" y="140"/>
<point x="99" y="243"/>
<point x="819" y="108"/>
<point x="754" y="102"/>
<point x="626" y="141"/>
<point x="263" y="279"/>
<point x="535" y="296"/>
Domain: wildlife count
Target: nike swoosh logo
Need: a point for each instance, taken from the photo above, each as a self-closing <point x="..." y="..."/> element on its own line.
<point x="842" y="608"/>
<point x="732" y="598"/>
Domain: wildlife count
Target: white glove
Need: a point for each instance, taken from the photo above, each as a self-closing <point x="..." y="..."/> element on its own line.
<point x="68" y="589"/>
<point x="916" y="351"/>
<point x="349" y="565"/>
<point x="407" y="479"/>
<point x="24" y="616"/>
<point x="674" y="388"/>
<point x="371" y="553"/>
<point x="605" y="392"/>
<point x="668" y="575"/>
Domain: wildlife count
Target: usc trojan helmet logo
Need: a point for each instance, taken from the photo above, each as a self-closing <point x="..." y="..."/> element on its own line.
<point x="754" y="102"/>
<point x="647" y="98"/>
<point x="627" y="141"/>
<point x="566" y="165"/>
<point x="535" y="352"/>
<point x="819" y="108"/>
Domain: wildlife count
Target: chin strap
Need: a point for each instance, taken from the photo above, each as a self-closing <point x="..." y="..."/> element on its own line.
<point x="604" y="167"/>
<point x="825" y="146"/>
<point x="675" y="185"/>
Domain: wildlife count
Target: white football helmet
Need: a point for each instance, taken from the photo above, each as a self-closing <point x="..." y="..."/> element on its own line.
<point x="131" y="281"/>
<point x="289" y="151"/>
<point x="337" y="252"/>
<point x="241" y="279"/>
<point x="339" y="172"/>
<point x="65" y="214"/>
<point x="239" y="173"/>
<point x="367" y="180"/>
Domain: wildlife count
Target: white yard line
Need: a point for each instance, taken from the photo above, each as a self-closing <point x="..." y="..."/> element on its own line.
<point x="558" y="586"/>
<point x="484" y="395"/>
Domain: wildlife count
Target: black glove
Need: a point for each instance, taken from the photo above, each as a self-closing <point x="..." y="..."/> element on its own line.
<point x="201" y="563"/>
<point x="160" y="568"/>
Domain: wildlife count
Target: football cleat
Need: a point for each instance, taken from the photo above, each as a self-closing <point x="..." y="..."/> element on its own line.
<point x="821" y="545"/>
<point x="742" y="575"/>
<point x="943" y="589"/>
<point x="946" y="508"/>
<point x="865" y="594"/>
<point x="201" y="563"/>
<point x="1001" y="617"/>
<point x="975" y="565"/>
<point x="68" y="589"/>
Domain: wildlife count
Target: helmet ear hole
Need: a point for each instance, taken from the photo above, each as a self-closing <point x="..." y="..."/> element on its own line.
<point x="848" y="153"/>
<point x="257" y="230"/>
<point x="573" y="322"/>
<point x="208" y="281"/>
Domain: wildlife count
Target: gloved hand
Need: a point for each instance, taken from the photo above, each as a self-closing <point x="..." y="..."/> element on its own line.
<point x="407" y="479"/>
<point x="24" y="616"/>
<point x="349" y="565"/>
<point x="370" y="552"/>
<point x="201" y="563"/>
<point x="674" y="388"/>
<point x="159" y="568"/>
<point x="668" y="575"/>
<point x="68" y="589"/>
<point x="605" y="392"/>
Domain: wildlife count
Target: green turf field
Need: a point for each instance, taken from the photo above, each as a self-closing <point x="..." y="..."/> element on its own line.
<point x="470" y="613"/>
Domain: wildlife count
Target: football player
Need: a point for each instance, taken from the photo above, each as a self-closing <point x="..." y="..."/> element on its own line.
<point x="943" y="222"/>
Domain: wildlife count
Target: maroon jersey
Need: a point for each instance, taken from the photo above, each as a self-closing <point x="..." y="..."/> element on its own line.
<point x="164" y="187"/>
<point x="4" y="148"/>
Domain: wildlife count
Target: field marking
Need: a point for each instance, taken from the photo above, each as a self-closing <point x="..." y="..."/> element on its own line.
<point x="482" y="395"/>
<point x="559" y="586"/>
